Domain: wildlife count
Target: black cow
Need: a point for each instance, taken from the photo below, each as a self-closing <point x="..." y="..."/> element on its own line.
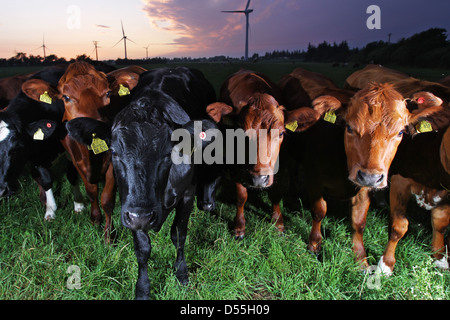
<point x="150" y="184"/>
<point x="30" y="132"/>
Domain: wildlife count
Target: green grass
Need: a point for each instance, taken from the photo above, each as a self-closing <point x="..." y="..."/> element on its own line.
<point x="35" y="254"/>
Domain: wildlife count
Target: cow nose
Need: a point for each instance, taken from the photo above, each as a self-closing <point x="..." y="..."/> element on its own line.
<point x="260" y="181"/>
<point x="136" y="221"/>
<point x="369" y="180"/>
<point x="207" y="206"/>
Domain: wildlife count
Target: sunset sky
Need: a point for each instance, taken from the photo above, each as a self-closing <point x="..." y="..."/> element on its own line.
<point x="198" y="28"/>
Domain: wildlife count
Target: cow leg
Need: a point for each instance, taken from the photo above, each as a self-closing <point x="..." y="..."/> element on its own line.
<point x="318" y="212"/>
<point x="178" y="235"/>
<point x="142" y="249"/>
<point x="92" y="193"/>
<point x="108" y="202"/>
<point x="360" y="206"/>
<point x="400" y="192"/>
<point x="440" y="219"/>
<point x="72" y="177"/>
<point x="239" y="221"/>
<point x="275" y="197"/>
<point x="43" y="178"/>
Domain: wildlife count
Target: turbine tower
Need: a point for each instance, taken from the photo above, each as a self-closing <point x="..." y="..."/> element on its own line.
<point x="96" y="47"/>
<point x="124" y="38"/>
<point x="146" y="51"/>
<point x="247" y="12"/>
<point x="43" y="46"/>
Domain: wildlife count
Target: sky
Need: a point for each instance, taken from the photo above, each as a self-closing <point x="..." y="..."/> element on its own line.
<point x="198" y="28"/>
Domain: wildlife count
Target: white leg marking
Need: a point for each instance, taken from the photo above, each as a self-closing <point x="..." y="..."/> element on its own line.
<point x="50" y="205"/>
<point x="383" y="268"/>
<point x="78" y="205"/>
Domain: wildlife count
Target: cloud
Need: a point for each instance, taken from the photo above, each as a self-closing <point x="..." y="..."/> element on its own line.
<point x="102" y="26"/>
<point x="199" y="25"/>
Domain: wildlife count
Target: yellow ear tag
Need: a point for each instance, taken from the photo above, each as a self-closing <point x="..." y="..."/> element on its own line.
<point x="292" y="126"/>
<point x="330" y="117"/>
<point x="123" y="91"/>
<point x="424" y="126"/>
<point x="38" y="135"/>
<point x="45" y="98"/>
<point x="98" y="145"/>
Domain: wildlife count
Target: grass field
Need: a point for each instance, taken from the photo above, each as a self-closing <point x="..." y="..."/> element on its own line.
<point x="35" y="255"/>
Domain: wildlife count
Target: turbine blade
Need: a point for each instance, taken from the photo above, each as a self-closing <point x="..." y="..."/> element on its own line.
<point x="131" y="40"/>
<point x="117" y="43"/>
<point x="123" y="31"/>
<point x="248" y="4"/>
<point x="239" y="11"/>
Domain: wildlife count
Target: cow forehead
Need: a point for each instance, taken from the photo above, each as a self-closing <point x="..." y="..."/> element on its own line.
<point x="4" y="130"/>
<point x="381" y="107"/>
<point x="85" y="83"/>
<point x="263" y="112"/>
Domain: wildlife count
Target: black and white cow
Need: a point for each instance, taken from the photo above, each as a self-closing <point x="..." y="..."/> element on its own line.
<point x="150" y="184"/>
<point x="30" y="132"/>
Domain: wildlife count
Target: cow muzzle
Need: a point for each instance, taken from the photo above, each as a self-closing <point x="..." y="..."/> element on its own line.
<point x="138" y="221"/>
<point x="372" y="180"/>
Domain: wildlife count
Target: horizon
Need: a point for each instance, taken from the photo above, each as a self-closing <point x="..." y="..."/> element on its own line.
<point x="175" y="29"/>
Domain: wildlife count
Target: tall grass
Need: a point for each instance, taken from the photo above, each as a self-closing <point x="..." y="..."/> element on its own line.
<point x="35" y="255"/>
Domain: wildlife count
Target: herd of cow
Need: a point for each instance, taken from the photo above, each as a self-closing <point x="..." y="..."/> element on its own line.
<point x="383" y="129"/>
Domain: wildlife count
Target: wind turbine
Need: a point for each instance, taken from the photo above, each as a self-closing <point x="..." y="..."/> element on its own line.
<point x="124" y="38"/>
<point x="96" y="46"/>
<point x="43" y="46"/>
<point x="247" y="12"/>
<point x="146" y="51"/>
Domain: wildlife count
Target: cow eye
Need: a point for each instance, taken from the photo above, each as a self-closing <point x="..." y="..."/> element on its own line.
<point x="108" y="94"/>
<point x="349" y="129"/>
<point x="282" y="134"/>
<point x="400" y="133"/>
<point x="66" y="98"/>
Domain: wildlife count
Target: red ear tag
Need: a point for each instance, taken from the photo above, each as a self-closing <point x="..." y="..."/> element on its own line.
<point x="421" y="100"/>
<point x="49" y="125"/>
<point x="202" y="135"/>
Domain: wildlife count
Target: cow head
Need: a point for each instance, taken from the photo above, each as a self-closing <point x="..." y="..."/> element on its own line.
<point x="376" y="119"/>
<point x="149" y="183"/>
<point x="16" y="139"/>
<point x="264" y="122"/>
<point x="83" y="89"/>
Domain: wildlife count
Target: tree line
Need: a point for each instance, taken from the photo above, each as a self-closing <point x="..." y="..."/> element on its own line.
<point x="429" y="48"/>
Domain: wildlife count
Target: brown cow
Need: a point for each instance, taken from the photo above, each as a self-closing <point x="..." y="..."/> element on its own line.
<point x="86" y="92"/>
<point x="421" y="168"/>
<point x="348" y="161"/>
<point x="301" y="87"/>
<point x="11" y="87"/>
<point x="250" y="101"/>
<point x="405" y="85"/>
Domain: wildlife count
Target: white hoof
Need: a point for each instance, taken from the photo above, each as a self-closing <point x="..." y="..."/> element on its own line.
<point x="78" y="207"/>
<point x="442" y="264"/>
<point x="49" y="215"/>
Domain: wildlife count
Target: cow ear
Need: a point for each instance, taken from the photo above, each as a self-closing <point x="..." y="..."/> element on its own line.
<point x="430" y="113"/>
<point x="124" y="81"/>
<point x="217" y="110"/>
<point x="301" y="119"/>
<point x="42" y="129"/>
<point x="39" y="90"/>
<point x="326" y="106"/>
<point x="81" y="130"/>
